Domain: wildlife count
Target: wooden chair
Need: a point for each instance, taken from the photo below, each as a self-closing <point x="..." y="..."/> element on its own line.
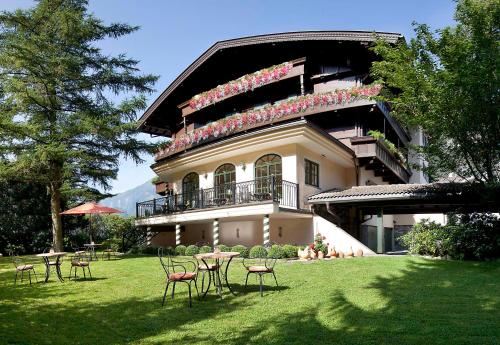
<point x="177" y="272"/>
<point x="80" y="260"/>
<point x="22" y="267"/>
<point x="261" y="268"/>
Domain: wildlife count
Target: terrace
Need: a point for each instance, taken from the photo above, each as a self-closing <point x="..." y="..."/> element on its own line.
<point x="263" y="190"/>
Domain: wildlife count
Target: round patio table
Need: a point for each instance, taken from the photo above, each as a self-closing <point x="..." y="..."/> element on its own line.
<point x="46" y="258"/>
<point x="218" y="257"/>
<point x="91" y="247"/>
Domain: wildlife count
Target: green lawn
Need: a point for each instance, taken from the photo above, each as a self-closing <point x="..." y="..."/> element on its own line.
<point x="378" y="300"/>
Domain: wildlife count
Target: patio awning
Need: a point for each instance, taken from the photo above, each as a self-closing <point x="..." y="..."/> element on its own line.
<point x="414" y="198"/>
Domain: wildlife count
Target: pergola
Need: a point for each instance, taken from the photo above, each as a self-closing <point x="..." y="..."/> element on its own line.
<point x="410" y="199"/>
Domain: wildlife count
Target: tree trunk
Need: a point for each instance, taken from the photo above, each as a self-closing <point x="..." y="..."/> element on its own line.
<point x="55" y="209"/>
<point x="55" y="205"/>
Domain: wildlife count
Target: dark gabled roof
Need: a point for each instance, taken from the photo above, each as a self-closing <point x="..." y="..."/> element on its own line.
<point x="415" y="198"/>
<point x="377" y="192"/>
<point x="359" y="36"/>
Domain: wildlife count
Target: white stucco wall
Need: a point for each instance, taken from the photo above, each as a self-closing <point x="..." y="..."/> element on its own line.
<point x="250" y="233"/>
<point x="293" y="231"/>
<point x="337" y="237"/>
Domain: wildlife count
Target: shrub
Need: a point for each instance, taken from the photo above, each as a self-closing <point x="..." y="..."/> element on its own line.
<point x="169" y="250"/>
<point x="290" y="251"/>
<point x="276" y="252"/>
<point x="205" y="249"/>
<point x="258" y="252"/>
<point x="242" y="250"/>
<point x="192" y="250"/>
<point x="321" y="247"/>
<point x="427" y="238"/>
<point x="475" y="236"/>
<point x="180" y="250"/>
<point x="224" y="248"/>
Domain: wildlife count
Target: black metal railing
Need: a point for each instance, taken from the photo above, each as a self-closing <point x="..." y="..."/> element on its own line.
<point x="260" y="190"/>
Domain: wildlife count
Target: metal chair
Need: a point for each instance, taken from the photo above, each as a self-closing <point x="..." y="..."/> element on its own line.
<point x="174" y="275"/>
<point x="263" y="267"/>
<point x="210" y="269"/>
<point x="109" y="251"/>
<point x="56" y="264"/>
<point x="80" y="259"/>
<point x="22" y="267"/>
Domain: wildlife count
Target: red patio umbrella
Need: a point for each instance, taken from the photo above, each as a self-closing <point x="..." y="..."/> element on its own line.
<point x="91" y="208"/>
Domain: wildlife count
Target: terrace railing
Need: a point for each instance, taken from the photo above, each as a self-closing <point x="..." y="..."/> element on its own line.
<point x="260" y="190"/>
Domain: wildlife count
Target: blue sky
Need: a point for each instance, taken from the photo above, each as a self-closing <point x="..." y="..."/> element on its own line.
<point x="174" y="33"/>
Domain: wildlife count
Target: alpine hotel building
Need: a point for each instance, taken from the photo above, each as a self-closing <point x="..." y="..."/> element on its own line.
<point x="259" y="127"/>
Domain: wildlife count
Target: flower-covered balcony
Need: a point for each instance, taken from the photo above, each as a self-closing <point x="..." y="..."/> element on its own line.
<point x="283" y="110"/>
<point x="242" y="85"/>
<point x="269" y="189"/>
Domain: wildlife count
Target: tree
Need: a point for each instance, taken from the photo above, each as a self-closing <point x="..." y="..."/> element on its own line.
<point x="58" y="124"/>
<point x="24" y="217"/>
<point x="446" y="82"/>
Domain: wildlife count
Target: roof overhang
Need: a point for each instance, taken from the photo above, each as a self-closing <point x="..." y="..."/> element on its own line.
<point x="340" y="36"/>
<point x="414" y="198"/>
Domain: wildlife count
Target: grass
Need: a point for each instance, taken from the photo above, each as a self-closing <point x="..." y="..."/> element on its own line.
<point x="402" y="300"/>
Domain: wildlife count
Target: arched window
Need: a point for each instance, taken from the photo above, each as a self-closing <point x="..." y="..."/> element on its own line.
<point x="190" y="186"/>
<point x="225" y="174"/>
<point x="266" y="167"/>
<point x="224" y="182"/>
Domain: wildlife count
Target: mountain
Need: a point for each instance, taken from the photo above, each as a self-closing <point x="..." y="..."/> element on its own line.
<point x="126" y="201"/>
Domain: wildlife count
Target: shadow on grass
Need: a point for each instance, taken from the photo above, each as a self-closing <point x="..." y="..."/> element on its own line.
<point x="433" y="302"/>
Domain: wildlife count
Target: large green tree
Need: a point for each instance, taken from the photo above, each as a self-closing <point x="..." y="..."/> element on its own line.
<point x="59" y="125"/>
<point x="447" y="82"/>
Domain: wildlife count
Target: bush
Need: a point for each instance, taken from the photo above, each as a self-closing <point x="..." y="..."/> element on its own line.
<point x="242" y="250"/>
<point x="168" y="250"/>
<point x="321" y="247"/>
<point x="473" y="236"/>
<point x="427" y="238"/>
<point x="205" y="249"/>
<point x="224" y="248"/>
<point x="276" y="252"/>
<point x="192" y="250"/>
<point x="290" y="251"/>
<point x="258" y="252"/>
<point x="180" y="250"/>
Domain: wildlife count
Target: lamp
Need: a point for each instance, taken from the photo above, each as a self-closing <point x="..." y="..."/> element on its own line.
<point x="280" y="231"/>
<point x="243" y="166"/>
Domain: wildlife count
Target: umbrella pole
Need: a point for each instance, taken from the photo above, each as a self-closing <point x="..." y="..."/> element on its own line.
<point x="90" y="228"/>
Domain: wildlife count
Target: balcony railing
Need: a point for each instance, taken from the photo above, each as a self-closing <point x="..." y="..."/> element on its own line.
<point x="257" y="191"/>
<point x="374" y="156"/>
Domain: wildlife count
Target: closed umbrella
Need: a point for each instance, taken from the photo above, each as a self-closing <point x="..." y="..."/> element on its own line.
<point x="91" y="208"/>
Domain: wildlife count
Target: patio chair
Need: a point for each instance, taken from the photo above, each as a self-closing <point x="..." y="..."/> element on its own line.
<point x="209" y="268"/>
<point x="82" y="261"/>
<point x="177" y="272"/>
<point x="261" y="268"/>
<point x="108" y="252"/>
<point x="22" y="267"/>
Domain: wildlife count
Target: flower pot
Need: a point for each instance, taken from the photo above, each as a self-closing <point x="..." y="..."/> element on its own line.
<point x="321" y="255"/>
<point x="359" y="252"/>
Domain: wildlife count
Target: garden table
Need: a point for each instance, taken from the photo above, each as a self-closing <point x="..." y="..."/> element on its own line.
<point x="46" y="258"/>
<point x="218" y="257"/>
<point x="91" y="247"/>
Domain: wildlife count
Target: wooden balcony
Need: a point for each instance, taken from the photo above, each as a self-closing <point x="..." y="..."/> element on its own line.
<point x="297" y="70"/>
<point x="373" y="155"/>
